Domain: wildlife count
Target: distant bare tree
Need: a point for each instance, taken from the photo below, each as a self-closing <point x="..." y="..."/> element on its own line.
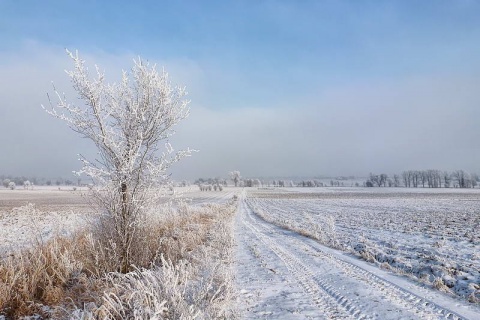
<point x="446" y="179"/>
<point x="407" y="178"/>
<point x="390" y="182"/>
<point x="26" y="184"/>
<point x="375" y="179"/>
<point x="434" y="178"/>
<point x="396" y="180"/>
<point x="423" y="177"/>
<point x="415" y="176"/>
<point x="235" y="176"/>
<point x="6" y="182"/>
<point x="461" y="177"/>
<point x="379" y="179"/>
<point x="474" y="180"/>
<point x="383" y="179"/>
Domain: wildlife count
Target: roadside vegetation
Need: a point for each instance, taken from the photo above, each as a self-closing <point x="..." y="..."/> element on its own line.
<point x="181" y="269"/>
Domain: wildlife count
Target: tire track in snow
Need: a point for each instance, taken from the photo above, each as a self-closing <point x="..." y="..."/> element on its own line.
<point x="398" y="296"/>
<point x="330" y="302"/>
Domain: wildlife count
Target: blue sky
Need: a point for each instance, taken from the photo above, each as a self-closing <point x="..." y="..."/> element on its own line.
<point x="340" y="76"/>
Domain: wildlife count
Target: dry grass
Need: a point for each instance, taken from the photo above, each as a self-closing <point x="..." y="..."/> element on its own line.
<point x="440" y="285"/>
<point x="182" y="271"/>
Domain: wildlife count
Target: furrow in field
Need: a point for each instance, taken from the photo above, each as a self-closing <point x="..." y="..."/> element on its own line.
<point x="428" y="239"/>
<point x="307" y="255"/>
<point x="397" y="295"/>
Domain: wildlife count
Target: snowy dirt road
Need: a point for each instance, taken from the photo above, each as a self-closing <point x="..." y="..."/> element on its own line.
<point x="283" y="275"/>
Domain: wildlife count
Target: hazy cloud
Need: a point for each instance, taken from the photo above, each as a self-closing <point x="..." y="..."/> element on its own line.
<point x="387" y="125"/>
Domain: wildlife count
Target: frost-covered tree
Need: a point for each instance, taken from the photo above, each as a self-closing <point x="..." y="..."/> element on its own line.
<point x="377" y="179"/>
<point x="26" y="184"/>
<point x="396" y="180"/>
<point x="12" y="185"/>
<point x="128" y="122"/>
<point x="447" y="178"/>
<point x="462" y="178"/>
<point x="6" y="182"/>
<point x="235" y="176"/>
<point x="474" y="179"/>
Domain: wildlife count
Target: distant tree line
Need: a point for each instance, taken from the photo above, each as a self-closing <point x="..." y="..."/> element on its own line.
<point x="6" y="179"/>
<point x="183" y="183"/>
<point x="238" y="181"/>
<point x="34" y="181"/>
<point x="211" y="181"/>
<point x="252" y="183"/>
<point x="211" y="184"/>
<point x="425" y="178"/>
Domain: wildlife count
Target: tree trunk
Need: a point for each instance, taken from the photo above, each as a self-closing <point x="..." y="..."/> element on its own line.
<point x="125" y="232"/>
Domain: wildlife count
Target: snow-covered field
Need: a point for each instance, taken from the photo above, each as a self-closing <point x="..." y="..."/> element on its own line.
<point x="430" y="235"/>
<point x="284" y="275"/>
<point x="425" y="235"/>
<point x="194" y="196"/>
<point x="28" y="216"/>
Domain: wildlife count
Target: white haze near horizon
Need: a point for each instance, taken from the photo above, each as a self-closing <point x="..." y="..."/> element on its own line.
<point x="390" y="125"/>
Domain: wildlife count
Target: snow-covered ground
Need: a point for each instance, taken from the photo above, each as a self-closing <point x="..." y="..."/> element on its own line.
<point x="283" y="275"/>
<point x="194" y="196"/>
<point x="28" y="216"/>
<point x="431" y="235"/>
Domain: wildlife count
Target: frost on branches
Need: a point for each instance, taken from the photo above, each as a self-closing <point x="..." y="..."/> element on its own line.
<point x="235" y="176"/>
<point x="130" y="123"/>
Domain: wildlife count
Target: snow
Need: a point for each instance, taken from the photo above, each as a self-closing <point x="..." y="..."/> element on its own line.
<point x="28" y="216"/>
<point x="283" y="275"/>
<point x="193" y="196"/>
<point x="428" y="234"/>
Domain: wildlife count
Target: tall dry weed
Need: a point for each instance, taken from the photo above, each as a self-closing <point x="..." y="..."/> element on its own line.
<point x="182" y="271"/>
